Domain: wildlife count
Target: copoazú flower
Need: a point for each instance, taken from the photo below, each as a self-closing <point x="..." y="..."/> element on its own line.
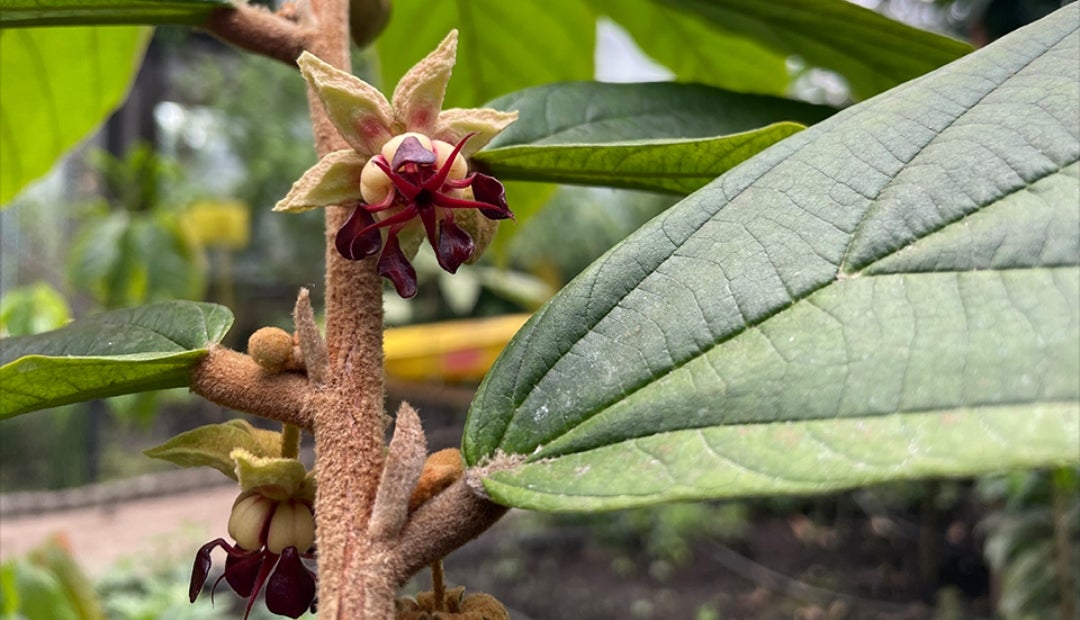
<point x="272" y="538"/>
<point x="406" y="174"/>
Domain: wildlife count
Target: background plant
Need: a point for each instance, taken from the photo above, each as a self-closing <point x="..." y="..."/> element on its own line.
<point x="919" y="296"/>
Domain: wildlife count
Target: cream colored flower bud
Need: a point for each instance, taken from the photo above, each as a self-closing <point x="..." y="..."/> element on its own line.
<point x="247" y="519"/>
<point x="391" y="147"/>
<point x="292" y="526"/>
<point x="459" y="169"/>
<point x="375" y="186"/>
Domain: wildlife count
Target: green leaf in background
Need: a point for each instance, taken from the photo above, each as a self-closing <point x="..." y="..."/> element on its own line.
<point x="872" y="52"/>
<point x="34" y="592"/>
<point x="696" y="51"/>
<point x="892" y="293"/>
<point x="658" y="136"/>
<point x="503" y="46"/>
<point x="32" y="309"/>
<point x="119" y="352"/>
<point x="22" y="13"/>
<point x="54" y="555"/>
<point x="59" y="85"/>
<point x="525" y="200"/>
<point x="124" y="259"/>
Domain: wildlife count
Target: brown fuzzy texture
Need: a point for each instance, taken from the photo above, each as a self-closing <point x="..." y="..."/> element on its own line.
<point x="234" y="380"/>
<point x="349" y="426"/>
<point x="404" y="462"/>
<point x="312" y="347"/>
<point x="449" y="520"/>
<point x="358" y="577"/>
<point x="457" y="606"/>
<point x="440" y="471"/>
<point x="256" y="29"/>
<point x="271" y="348"/>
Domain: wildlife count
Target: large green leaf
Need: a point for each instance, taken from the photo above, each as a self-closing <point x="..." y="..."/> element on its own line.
<point x="874" y="53"/>
<point x="59" y="84"/>
<point x="658" y="136"/>
<point x="119" y="352"/>
<point x="21" y="13"/>
<point x="503" y="46"/>
<point x="892" y="293"/>
<point x="696" y="51"/>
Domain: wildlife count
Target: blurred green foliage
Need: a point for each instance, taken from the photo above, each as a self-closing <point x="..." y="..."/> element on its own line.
<point x="1033" y="542"/>
<point x="32" y="309"/>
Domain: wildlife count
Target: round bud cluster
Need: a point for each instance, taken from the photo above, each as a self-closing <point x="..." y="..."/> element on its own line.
<point x="258" y="521"/>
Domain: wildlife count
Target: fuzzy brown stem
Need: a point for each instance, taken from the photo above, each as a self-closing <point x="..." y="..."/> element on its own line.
<point x="349" y="426"/>
<point x="256" y="29"/>
<point x="438" y="585"/>
<point x="444" y="523"/>
<point x="312" y="346"/>
<point x="358" y="576"/>
<point x="234" y="380"/>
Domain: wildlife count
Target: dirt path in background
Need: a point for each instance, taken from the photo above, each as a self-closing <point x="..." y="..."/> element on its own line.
<point x="552" y="571"/>
<point x="165" y="526"/>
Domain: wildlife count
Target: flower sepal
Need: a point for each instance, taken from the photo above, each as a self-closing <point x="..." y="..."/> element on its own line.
<point x="408" y="165"/>
<point x="275" y="477"/>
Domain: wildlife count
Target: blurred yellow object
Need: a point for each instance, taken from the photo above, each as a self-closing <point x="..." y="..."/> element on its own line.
<point x="219" y="223"/>
<point x="448" y="351"/>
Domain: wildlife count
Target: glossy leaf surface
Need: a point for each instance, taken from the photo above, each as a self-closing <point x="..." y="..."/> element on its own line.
<point x="659" y="136"/>
<point x="119" y="352"/>
<point x="695" y="50"/>
<point x="872" y="52"/>
<point x="892" y="293"/>
<point x="503" y="46"/>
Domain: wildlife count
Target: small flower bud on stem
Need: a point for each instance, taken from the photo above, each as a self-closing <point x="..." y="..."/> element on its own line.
<point x="271" y="348"/>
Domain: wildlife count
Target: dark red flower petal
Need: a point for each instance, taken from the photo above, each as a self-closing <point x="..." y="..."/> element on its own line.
<point x="355" y="240"/>
<point x="455" y="246"/>
<point x="490" y="191"/>
<point x="241" y="572"/>
<point x="291" y="589"/>
<point x="394" y="266"/>
<point x="410" y="151"/>
<point x="201" y="568"/>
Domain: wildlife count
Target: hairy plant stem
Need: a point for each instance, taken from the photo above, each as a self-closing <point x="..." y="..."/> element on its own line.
<point x="256" y="29"/>
<point x="438" y="585"/>
<point x="349" y="428"/>
<point x="341" y="399"/>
